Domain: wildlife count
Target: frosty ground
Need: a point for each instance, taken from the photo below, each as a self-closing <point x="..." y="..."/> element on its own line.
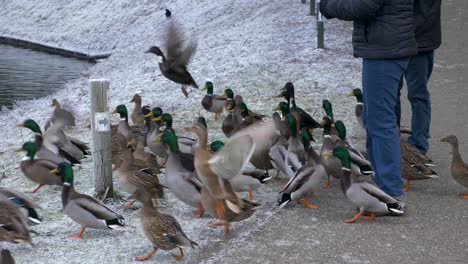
<point x="253" y="47"/>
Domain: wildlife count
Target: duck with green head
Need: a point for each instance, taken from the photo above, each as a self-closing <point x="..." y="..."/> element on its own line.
<point x="305" y="120"/>
<point x="155" y="129"/>
<point x="211" y="102"/>
<point x="296" y="156"/>
<point x="364" y="195"/>
<point x="82" y="208"/>
<point x="123" y="127"/>
<point x="38" y="170"/>
<point x="359" y="108"/>
<point x="45" y="149"/>
<point x="306" y="179"/>
<point x="183" y="183"/>
<point x="232" y="122"/>
<point x="332" y="164"/>
<point x="356" y="156"/>
<point x="186" y="144"/>
<point x="248" y="180"/>
<point x="248" y="117"/>
<point x="327" y="106"/>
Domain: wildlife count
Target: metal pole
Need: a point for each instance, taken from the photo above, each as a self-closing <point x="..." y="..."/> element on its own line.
<point x="100" y="129"/>
<point x="312" y="7"/>
<point x="320" y="27"/>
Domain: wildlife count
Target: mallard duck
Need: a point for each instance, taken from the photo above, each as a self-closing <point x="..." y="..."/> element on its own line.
<point x="186" y="144"/>
<point x="248" y="117"/>
<point x="250" y="178"/>
<point x="183" y="183"/>
<point x="414" y="172"/>
<point x="459" y="167"/>
<point x="279" y="150"/>
<point x="150" y="166"/>
<point x="306" y="179"/>
<point x="174" y="65"/>
<point x="359" y="105"/>
<point x="211" y="102"/>
<point x="131" y="177"/>
<point x="412" y="155"/>
<point x="332" y="163"/>
<point x="137" y="115"/>
<point x="327" y="106"/>
<point x="158" y="149"/>
<point x="60" y="114"/>
<point x="6" y="257"/>
<point x="82" y="208"/>
<point x="356" y="156"/>
<point x="13" y="224"/>
<point x="55" y="135"/>
<point x="305" y="120"/>
<point x="27" y="206"/>
<point x="232" y="122"/>
<point x="124" y="128"/>
<point x="364" y="195"/>
<point x="44" y="149"/>
<point x="162" y="230"/>
<point x="139" y="153"/>
<point x="38" y="170"/>
<point x="296" y="156"/>
<point x="415" y="166"/>
<point x="265" y="136"/>
<point x="216" y="170"/>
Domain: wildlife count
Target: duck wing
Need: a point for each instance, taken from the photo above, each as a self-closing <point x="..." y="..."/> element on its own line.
<point x="177" y="56"/>
<point x="233" y="157"/>
<point x="94" y="207"/>
<point x="298" y="179"/>
<point x="376" y="192"/>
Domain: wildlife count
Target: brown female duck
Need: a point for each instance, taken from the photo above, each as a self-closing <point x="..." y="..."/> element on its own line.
<point x="173" y="65"/>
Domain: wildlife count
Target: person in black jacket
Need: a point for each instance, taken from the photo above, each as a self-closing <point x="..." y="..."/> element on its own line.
<point x="383" y="35"/>
<point x="428" y="36"/>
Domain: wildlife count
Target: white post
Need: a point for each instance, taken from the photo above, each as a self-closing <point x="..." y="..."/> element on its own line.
<point x="100" y="129"/>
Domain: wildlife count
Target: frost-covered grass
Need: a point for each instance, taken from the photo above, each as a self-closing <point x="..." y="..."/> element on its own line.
<point x="253" y="47"/>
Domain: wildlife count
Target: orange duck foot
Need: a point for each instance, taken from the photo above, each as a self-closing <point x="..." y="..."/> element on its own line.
<point x="406" y="187"/>
<point x="180" y="256"/>
<point x="78" y="235"/>
<point x="306" y="203"/>
<point x="36" y="189"/>
<point x="356" y="217"/>
<point x="371" y="217"/>
<point x="146" y="257"/>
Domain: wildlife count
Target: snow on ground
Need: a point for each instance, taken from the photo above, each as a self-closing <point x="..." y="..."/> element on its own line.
<point x="253" y="47"/>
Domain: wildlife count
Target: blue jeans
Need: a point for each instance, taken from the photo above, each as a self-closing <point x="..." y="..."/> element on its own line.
<point x="380" y="82"/>
<point x="417" y="76"/>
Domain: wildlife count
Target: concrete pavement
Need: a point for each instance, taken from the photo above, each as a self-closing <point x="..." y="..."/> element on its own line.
<point x="435" y="228"/>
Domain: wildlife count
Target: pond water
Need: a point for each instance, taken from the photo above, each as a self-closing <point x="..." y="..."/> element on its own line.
<point x="27" y="74"/>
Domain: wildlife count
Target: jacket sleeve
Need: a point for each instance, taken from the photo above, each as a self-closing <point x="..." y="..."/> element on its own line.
<point x="350" y="9"/>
